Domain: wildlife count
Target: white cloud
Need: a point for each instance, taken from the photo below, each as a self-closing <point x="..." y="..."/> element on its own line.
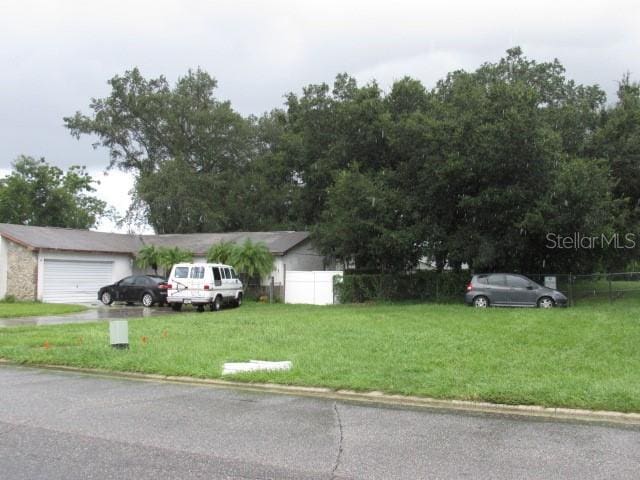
<point x="113" y="187"/>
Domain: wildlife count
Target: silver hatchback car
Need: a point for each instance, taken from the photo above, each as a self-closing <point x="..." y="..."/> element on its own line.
<point x="506" y="289"/>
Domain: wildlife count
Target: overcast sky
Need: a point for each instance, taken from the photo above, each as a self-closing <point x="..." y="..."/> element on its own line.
<point x="56" y="55"/>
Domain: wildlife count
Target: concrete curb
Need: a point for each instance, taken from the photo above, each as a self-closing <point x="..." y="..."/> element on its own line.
<point x="377" y="398"/>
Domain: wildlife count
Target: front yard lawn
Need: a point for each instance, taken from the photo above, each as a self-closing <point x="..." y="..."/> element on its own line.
<point x="584" y="357"/>
<point x="33" y="309"/>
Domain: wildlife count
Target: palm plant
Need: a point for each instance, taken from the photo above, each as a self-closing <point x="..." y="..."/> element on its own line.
<point x="252" y="259"/>
<point x="168" y="257"/>
<point x="148" y="257"/>
<point x="221" y="252"/>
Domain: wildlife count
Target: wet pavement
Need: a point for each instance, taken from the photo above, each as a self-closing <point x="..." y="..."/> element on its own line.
<point x="93" y="314"/>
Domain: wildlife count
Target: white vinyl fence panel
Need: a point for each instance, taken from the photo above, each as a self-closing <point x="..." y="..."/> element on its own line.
<point x="315" y="288"/>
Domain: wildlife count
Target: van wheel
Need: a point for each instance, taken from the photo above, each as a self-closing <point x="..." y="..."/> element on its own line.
<point x="216" y="305"/>
<point x="176" y="307"/>
<point x="239" y="300"/>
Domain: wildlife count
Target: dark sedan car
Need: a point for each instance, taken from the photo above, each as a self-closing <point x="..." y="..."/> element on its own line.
<point x="506" y="289"/>
<point x="147" y="289"/>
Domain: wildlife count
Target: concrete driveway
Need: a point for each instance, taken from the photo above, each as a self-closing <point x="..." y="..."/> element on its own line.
<point x="60" y="425"/>
<point x="93" y="314"/>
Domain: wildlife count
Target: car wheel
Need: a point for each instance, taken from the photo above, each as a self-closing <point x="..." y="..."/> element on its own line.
<point x="106" y="298"/>
<point x="176" y="307"/>
<point x="545" y="302"/>
<point x="239" y="300"/>
<point x="481" y="302"/>
<point x="147" y="300"/>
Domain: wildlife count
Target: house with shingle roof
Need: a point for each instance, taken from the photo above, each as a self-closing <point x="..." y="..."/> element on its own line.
<point x="69" y="265"/>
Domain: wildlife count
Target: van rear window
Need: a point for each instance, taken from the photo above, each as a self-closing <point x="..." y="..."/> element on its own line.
<point x="181" y="272"/>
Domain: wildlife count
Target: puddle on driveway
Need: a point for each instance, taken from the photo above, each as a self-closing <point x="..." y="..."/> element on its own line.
<point x="92" y="315"/>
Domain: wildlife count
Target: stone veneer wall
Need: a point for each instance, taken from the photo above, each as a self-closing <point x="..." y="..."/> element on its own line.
<point x="22" y="272"/>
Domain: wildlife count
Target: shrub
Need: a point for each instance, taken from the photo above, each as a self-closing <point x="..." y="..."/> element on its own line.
<point x="423" y="285"/>
<point x="252" y="260"/>
<point x="149" y="257"/>
<point x="168" y="257"/>
<point x="221" y="252"/>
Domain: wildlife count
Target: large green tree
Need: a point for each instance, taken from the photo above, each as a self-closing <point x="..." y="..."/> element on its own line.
<point x="482" y="150"/>
<point x="580" y="201"/>
<point x="36" y="193"/>
<point x="618" y="141"/>
<point x="476" y="170"/>
<point x="328" y="130"/>
<point x="363" y="224"/>
<point x="185" y="148"/>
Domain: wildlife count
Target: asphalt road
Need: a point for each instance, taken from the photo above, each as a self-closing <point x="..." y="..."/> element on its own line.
<point x="68" y="426"/>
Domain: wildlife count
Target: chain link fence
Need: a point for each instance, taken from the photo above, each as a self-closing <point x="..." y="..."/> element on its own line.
<point x="601" y="286"/>
<point x="450" y="286"/>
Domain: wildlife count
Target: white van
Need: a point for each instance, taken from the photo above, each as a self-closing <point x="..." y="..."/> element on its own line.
<point x="203" y="284"/>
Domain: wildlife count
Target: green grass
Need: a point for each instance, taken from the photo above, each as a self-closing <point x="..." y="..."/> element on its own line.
<point x="32" y="309"/>
<point x="585" y="357"/>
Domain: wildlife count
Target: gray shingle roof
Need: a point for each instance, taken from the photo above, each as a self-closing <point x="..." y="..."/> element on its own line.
<point x="52" y="238"/>
<point x="278" y="243"/>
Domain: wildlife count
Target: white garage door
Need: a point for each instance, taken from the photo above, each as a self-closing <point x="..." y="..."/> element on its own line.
<point x="71" y="281"/>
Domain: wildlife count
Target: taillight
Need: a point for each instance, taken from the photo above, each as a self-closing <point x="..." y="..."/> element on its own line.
<point x="206" y="287"/>
<point x="469" y="287"/>
<point x="164" y="286"/>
